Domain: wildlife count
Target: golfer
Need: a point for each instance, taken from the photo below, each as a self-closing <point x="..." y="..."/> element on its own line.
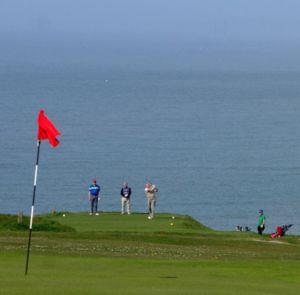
<point x="94" y="195"/>
<point x="261" y="222"/>
<point x="125" y="198"/>
<point x="151" y="190"/>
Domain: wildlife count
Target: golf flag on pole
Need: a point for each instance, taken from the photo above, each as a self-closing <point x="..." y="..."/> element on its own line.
<point x="47" y="130"/>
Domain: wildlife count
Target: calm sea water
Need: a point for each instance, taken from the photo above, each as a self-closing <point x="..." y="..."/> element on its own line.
<point x="219" y="146"/>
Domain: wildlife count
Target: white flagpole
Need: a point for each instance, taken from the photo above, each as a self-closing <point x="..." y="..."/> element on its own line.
<point x="32" y="206"/>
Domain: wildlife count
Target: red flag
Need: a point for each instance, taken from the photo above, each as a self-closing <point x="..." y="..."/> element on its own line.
<point x="47" y="130"/>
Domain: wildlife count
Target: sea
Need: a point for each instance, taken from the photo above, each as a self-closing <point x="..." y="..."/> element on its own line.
<point x="219" y="145"/>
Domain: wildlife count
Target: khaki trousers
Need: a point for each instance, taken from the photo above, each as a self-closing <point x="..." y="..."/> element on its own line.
<point x="125" y="203"/>
<point x="151" y="206"/>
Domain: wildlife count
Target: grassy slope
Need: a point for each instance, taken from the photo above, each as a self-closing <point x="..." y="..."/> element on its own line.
<point x="115" y="254"/>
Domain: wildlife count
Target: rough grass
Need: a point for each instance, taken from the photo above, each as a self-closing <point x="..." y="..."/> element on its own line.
<point x="114" y="254"/>
<point x="41" y="223"/>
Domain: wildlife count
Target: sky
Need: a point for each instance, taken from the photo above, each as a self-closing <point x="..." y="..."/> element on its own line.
<point x="234" y="19"/>
<point x="144" y="28"/>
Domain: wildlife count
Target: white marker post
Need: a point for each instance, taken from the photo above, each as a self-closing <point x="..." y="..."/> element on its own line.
<point x="32" y="206"/>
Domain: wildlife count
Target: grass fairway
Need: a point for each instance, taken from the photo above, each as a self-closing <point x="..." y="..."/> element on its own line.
<point x="114" y="254"/>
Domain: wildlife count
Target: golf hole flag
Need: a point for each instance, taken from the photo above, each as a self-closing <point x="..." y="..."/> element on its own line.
<point x="47" y="130"/>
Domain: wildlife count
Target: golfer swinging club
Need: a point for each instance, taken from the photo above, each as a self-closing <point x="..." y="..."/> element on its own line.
<point x="151" y="190"/>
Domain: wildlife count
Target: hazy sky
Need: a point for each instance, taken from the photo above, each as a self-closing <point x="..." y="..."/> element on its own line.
<point x="239" y="25"/>
<point x="234" y="19"/>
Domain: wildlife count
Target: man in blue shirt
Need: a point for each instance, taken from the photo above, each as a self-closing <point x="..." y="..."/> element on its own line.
<point x="94" y="191"/>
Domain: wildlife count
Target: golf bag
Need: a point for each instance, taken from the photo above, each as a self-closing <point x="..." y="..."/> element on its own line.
<point x="240" y="228"/>
<point x="281" y="231"/>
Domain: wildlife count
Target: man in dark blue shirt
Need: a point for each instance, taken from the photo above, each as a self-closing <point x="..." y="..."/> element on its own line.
<point x="94" y="191"/>
<point x="125" y="198"/>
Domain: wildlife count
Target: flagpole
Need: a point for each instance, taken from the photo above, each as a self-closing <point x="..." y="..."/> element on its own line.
<point x="32" y="206"/>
